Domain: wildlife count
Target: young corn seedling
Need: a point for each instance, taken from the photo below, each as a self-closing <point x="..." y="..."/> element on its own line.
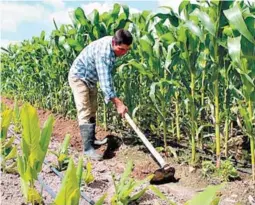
<point x="62" y="154"/>
<point x="125" y="188"/>
<point x="8" y="151"/>
<point x="70" y="189"/>
<point x="16" y="118"/>
<point x="87" y="175"/>
<point x="34" y="146"/>
<point x="226" y="172"/>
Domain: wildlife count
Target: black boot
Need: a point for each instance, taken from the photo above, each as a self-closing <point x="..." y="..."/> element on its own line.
<point x="96" y="142"/>
<point x="87" y="133"/>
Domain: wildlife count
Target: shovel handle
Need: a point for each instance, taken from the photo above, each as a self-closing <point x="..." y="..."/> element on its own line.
<point x="153" y="151"/>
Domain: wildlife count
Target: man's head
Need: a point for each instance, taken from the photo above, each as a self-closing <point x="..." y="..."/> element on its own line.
<point x="121" y="42"/>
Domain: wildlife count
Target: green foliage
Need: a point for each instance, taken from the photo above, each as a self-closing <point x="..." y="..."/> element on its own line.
<point x="207" y="197"/>
<point x="70" y="188"/>
<point x="87" y="175"/>
<point x="16" y="117"/>
<point x="62" y="153"/>
<point x="126" y="186"/>
<point x="8" y="155"/>
<point x="208" y="168"/>
<point x="208" y="50"/>
<point x="101" y="200"/>
<point x="6" y="117"/>
<point x="226" y="172"/>
<point x="126" y="189"/>
<point x="34" y="148"/>
<point x="8" y="151"/>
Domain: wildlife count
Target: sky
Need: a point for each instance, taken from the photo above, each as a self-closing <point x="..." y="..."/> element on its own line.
<point x="22" y="20"/>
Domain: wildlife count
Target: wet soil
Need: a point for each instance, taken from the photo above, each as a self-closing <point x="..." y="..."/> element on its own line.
<point x="116" y="156"/>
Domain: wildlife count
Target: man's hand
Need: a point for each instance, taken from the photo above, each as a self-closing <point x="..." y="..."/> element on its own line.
<point x="121" y="108"/>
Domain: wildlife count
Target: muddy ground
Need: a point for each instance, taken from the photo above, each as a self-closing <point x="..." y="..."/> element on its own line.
<point x="189" y="184"/>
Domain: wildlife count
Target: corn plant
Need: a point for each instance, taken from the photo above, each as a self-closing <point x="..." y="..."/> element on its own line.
<point x="6" y="117"/>
<point x="126" y="186"/>
<point x="87" y="175"/>
<point x="164" y="89"/>
<point x="62" y="153"/>
<point x="34" y="147"/>
<point x="8" y="151"/>
<point x="16" y="117"/>
<point x="241" y="48"/>
<point x="70" y="188"/>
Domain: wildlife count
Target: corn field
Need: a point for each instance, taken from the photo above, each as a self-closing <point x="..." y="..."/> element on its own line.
<point x="189" y="77"/>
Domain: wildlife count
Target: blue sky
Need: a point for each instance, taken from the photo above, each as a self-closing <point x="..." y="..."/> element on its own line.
<point x="21" y="20"/>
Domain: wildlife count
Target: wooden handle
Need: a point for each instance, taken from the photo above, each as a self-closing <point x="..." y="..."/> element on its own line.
<point x="153" y="151"/>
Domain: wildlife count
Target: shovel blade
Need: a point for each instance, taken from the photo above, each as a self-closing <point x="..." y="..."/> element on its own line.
<point x="164" y="175"/>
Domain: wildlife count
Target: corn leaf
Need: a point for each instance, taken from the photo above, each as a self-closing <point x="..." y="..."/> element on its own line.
<point x="12" y="154"/>
<point x="80" y="16"/>
<point x="158" y="193"/>
<point x="234" y="15"/>
<point x="138" y="195"/>
<point x="79" y="170"/>
<point x="24" y="188"/>
<point x="115" y="11"/>
<point x="101" y="200"/>
<point x="9" y="143"/>
<point x="45" y="138"/>
<point x="126" y="10"/>
<point x="65" y="144"/>
<point x="21" y="166"/>
<point x="125" y="175"/>
<point x="30" y="133"/>
<point x="234" y="49"/>
<point x="195" y="29"/>
<point x="205" y="20"/>
<point x="141" y="68"/>
<point x="6" y="117"/>
<point x="34" y="196"/>
<point x="206" y="197"/>
<point x="87" y="174"/>
<point x="69" y="192"/>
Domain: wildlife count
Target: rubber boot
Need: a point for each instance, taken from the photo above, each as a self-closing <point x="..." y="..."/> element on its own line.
<point x="87" y="133"/>
<point x="96" y="142"/>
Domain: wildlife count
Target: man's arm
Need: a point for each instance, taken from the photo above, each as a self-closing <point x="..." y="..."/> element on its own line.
<point x="103" y="66"/>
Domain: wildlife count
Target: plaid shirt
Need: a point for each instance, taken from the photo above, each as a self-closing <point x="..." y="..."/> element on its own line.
<point x="95" y="63"/>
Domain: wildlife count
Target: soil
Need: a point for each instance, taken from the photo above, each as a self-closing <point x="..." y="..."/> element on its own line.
<point x="116" y="155"/>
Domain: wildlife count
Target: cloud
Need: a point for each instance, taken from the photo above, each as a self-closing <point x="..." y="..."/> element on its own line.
<point x="102" y="7"/>
<point x="61" y="17"/>
<point x="5" y="42"/>
<point x="13" y="14"/>
<point x="55" y="3"/>
<point x="173" y="4"/>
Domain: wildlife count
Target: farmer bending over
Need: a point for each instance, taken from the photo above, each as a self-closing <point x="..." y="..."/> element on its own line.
<point x="94" y="64"/>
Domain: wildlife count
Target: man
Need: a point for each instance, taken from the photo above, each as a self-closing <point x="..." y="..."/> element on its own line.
<point x="94" y="64"/>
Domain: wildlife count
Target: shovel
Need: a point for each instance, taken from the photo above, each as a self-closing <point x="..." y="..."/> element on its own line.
<point x="166" y="173"/>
